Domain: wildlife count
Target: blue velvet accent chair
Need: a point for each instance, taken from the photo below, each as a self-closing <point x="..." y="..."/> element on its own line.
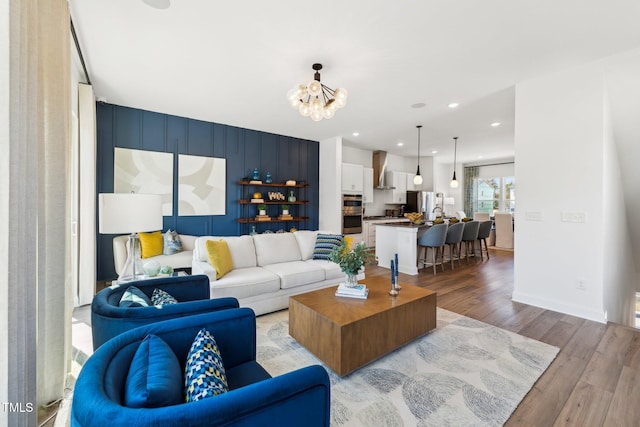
<point x="297" y="398"/>
<point x="192" y="293"/>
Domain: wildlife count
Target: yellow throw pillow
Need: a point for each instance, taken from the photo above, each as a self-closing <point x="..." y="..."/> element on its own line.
<point x="219" y="257"/>
<point x="151" y="244"/>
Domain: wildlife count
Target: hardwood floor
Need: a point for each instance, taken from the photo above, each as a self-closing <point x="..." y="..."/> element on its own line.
<point x="594" y="381"/>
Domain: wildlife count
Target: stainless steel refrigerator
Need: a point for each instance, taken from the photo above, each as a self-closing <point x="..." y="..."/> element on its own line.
<point x="421" y="201"/>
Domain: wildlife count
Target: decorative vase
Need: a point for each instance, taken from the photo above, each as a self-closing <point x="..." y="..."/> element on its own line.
<point x="352" y="280"/>
<point x="256" y="175"/>
<point x="262" y="213"/>
<point x="292" y="197"/>
<point x="285" y="211"/>
<point x="267" y="178"/>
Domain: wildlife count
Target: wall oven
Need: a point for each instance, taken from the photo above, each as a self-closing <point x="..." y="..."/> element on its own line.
<point x="351" y="213"/>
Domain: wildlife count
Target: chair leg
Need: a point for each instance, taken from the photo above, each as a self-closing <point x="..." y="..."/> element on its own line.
<point x="486" y="247"/>
<point x="441" y="249"/>
<point x="451" y="256"/>
<point x="459" y="253"/>
<point x="433" y="252"/>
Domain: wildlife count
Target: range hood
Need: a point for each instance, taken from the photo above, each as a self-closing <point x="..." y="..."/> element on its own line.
<point x="379" y="171"/>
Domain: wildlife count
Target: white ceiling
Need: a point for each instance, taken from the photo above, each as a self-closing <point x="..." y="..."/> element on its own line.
<point x="233" y="62"/>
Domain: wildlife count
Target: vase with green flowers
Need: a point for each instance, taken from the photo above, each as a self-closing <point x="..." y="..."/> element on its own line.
<point x="351" y="260"/>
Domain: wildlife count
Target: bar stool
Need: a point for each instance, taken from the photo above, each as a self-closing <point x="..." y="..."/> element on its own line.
<point x="434" y="238"/>
<point x="469" y="237"/>
<point x="453" y="240"/>
<point x="484" y="230"/>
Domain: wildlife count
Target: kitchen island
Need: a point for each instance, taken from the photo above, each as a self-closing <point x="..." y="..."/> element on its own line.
<point x="400" y="238"/>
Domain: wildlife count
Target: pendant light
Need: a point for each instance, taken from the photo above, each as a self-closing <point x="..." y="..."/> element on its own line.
<point x="417" y="180"/>
<point x="454" y="181"/>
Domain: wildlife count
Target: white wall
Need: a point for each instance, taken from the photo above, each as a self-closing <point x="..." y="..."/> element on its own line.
<point x="620" y="278"/>
<point x="559" y="146"/>
<point x="330" y="176"/>
<point x="442" y="178"/>
<point x="5" y="176"/>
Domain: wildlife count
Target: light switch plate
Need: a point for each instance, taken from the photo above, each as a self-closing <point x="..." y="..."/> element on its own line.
<point x="577" y="217"/>
<point x="533" y="216"/>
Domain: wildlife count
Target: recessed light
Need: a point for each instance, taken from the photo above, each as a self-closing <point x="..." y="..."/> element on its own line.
<point x="419" y="105"/>
<point x="453" y="105"/>
<point x="400" y="144"/>
<point x="434" y="152"/>
<point x="356" y="134"/>
<point x="495" y="124"/>
<point x="158" y="4"/>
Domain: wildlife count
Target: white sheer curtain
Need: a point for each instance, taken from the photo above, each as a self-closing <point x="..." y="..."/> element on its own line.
<point x="33" y="204"/>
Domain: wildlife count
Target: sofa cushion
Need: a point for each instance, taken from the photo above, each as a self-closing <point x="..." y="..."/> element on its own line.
<point x="276" y="248"/>
<point x="331" y="269"/>
<point x="172" y="243"/>
<point x="160" y="298"/>
<point x="245" y="282"/>
<point x="134" y="297"/>
<point x="306" y="242"/>
<point x="325" y="244"/>
<point x="204" y="371"/>
<point x="219" y="257"/>
<point x="155" y="376"/>
<point x="296" y="273"/>
<point x="243" y="252"/>
<point x="151" y="244"/>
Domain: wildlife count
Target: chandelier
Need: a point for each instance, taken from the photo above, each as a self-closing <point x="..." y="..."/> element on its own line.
<point x="316" y="100"/>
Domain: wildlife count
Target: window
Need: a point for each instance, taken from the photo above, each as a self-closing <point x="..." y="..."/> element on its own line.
<point x="494" y="194"/>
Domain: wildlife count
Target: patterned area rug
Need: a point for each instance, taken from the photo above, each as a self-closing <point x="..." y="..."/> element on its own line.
<point x="463" y="373"/>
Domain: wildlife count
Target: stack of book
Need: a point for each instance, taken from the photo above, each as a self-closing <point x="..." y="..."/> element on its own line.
<point x="289" y="217"/>
<point x="360" y="291"/>
<point x="257" y="200"/>
<point x="263" y="218"/>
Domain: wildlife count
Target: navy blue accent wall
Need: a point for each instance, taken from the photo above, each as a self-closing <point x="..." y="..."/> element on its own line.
<point x="244" y="149"/>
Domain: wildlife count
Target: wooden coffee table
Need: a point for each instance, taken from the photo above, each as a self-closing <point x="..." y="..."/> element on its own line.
<point x="347" y="333"/>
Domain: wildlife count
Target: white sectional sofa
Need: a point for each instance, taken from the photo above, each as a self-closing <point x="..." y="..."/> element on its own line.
<point x="179" y="260"/>
<point x="267" y="269"/>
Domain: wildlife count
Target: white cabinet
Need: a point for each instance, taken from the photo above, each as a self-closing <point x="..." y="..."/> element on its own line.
<point x="369" y="229"/>
<point x="367" y="192"/>
<point x="399" y="181"/>
<point x="352" y="178"/>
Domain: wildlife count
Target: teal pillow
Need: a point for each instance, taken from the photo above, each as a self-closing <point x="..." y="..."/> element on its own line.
<point x="204" y="373"/>
<point x="155" y="376"/>
<point x="160" y="298"/>
<point x="134" y="297"/>
<point x="325" y="244"/>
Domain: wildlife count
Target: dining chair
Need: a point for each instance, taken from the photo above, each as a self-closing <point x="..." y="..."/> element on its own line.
<point x="433" y="238"/>
<point x="481" y="216"/>
<point x="453" y="240"/>
<point x="504" y="230"/>
<point x="484" y="231"/>
<point x="469" y="237"/>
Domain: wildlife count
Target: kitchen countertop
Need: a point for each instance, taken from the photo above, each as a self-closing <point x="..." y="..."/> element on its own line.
<point x="371" y="218"/>
<point x="404" y="224"/>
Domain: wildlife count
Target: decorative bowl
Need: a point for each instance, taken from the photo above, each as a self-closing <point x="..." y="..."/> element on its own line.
<point x="151" y="268"/>
<point x="414" y="217"/>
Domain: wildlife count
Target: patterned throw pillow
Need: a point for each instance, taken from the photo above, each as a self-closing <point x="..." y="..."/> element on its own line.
<point x="172" y="243"/>
<point x="134" y="297"/>
<point x="160" y="298"/>
<point x="325" y="244"/>
<point x="204" y="372"/>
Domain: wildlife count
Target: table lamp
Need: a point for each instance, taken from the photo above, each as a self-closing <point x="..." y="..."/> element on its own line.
<point x="120" y="213"/>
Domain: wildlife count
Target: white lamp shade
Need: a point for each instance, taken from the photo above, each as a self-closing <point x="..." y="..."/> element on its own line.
<point x="453" y="184"/>
<point x="120" y="213"/>
<point x="417" y="180"/>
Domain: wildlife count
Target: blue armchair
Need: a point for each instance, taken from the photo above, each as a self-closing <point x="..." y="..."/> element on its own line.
<point x="298" y="398"/>
<point x="192" y="293"/>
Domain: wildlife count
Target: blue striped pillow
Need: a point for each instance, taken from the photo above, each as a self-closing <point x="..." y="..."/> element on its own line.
<point x="325" y="244"/>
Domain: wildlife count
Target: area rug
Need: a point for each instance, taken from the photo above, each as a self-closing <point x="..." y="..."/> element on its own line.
<point x="463" y="373"/>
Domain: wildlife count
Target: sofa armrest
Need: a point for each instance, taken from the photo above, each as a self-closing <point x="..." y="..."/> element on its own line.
<point x="298" y="398"/>
<point x="201" y="267"/>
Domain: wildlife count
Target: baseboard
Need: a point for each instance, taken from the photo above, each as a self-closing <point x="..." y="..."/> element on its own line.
<point x="561" y="307"/>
